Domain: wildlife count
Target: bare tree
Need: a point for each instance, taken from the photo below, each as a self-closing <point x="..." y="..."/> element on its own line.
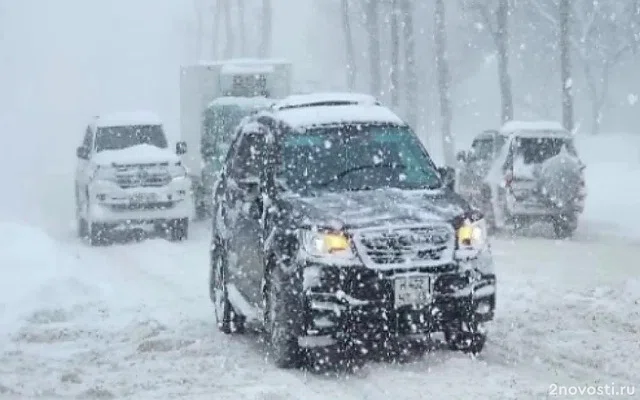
<point x="267" y="20"/>
<point x="604" y="33"/>
<point x="565" y="65"/>
<point x="198" y="8"/>
<point x="217" y="17"/>
<point x="348" y="39"/>
<point x="444" y="82"/>
<point x="373" y="36"/>
<point x="229" y="39"/>
<point x="242" y="28"/>
<point x="498" y="28"/>
<point x="395" y="52"/>
<point x="411" y="83"/>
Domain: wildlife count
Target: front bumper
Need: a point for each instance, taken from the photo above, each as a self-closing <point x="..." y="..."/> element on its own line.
<point x="112" y="204"/>
<point x="357" y="302"/>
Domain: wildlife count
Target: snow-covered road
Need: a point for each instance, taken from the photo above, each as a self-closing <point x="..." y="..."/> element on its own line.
<point x="134" y="321"/>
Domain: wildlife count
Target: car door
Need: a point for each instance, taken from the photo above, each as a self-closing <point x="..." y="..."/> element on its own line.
<point x="243" y="219"/>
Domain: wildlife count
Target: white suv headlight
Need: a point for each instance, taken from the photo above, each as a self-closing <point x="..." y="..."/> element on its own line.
<point x="103" y="173"/>
<point x="326" y="244"/>
<point x="177" y="171"/>
<point x="472" y="235"/>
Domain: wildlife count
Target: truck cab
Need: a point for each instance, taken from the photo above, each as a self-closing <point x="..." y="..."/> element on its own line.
<point x="214" y="97"/>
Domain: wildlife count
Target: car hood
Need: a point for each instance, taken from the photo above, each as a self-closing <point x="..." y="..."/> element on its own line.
<point x="371" y="208"/>
<point x="140" y="154"/>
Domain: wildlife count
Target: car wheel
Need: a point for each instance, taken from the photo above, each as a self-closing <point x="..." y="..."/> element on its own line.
<point x="465" y="337"/>
<point x="179" y="229"/>
<point x="95" y="233"/>
<point x="564" y="227"/>
<point x="283" y="318"/>
<point x="227" y="319"/>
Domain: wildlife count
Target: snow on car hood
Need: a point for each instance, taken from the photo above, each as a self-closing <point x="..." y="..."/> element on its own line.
<point x="140" y="154"/>
<point x="370" y="208"/>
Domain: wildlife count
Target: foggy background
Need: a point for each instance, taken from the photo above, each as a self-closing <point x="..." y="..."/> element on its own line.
<point x="64" y="61"/>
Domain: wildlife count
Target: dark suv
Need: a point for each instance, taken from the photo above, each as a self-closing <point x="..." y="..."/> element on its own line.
<point x="333" y="228"/>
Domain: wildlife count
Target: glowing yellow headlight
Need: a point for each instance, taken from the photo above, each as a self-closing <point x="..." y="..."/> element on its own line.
<point x="332" y="242"/>
<point x="471" y="234"/>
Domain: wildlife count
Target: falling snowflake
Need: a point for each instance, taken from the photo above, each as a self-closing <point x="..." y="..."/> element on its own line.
<point x="632" y="99"/>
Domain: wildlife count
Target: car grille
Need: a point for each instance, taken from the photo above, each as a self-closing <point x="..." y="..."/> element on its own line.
<point x="406" y="247"/>
<point x="142" y="177"/>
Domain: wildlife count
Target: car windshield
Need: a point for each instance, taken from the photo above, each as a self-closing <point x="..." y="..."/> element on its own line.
<point x="122" y="137"/>
<point x="356" y="157"/>
<point x="536" y="150"/>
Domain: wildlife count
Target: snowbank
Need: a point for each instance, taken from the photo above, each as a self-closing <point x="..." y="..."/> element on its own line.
<point x="38" y="274"/>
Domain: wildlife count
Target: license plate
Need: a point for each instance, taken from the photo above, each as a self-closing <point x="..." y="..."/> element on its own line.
<point x="144" y="198"/>
<point x="413" y="291"/>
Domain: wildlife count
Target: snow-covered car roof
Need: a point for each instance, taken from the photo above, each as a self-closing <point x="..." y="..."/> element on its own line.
<point x="325" y="99"/>
<point x="257" y="101"/>
<point x="298" y="118"/>
<point x="246" y="62"/>
<point x="128" y="118"/>
<point x="533" y="127"/>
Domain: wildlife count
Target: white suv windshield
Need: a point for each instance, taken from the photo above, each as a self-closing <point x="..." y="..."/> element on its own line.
<point x="121" y="137"/>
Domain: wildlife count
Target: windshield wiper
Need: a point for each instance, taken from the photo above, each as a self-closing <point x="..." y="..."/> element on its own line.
<point x="346" y="172"/>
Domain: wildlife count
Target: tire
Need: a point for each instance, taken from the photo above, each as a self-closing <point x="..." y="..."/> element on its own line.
<point x="227" y="319"/>
<point x="564" y="227"/>
<point x="96" y="234"/>
<point x="178" y="229"/>
<point x="284" y="308"/>
<point x="465" y="337"/>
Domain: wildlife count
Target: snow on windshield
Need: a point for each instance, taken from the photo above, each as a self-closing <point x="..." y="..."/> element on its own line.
<point x="122" y="137"/>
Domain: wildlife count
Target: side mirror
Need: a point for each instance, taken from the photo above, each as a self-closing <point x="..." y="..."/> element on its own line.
<point x="462" y="156"/>
<point x="448" y="175"/>
<point x="181" y="148"/>
<point x="82" y="153"/>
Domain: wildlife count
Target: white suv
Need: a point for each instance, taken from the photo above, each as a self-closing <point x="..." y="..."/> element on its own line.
<point x="127" y="178"/>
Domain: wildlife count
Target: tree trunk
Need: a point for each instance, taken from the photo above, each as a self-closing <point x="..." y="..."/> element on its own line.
<point x="597" y="97"/>
<point x="242" y="28"/>
<point x="444" y="82"/>
<point x="229" y="45"/>
<point x="371" y="14"/>
<point x="348" y="38"/>
<point x="199" y="29"/>
<point x="265" y="45"/>
<point x="217" y="17"/>
<point x="411" y="83"/>
<point x="502" y="43"/>
<point x="395" y="54"/>
<point x="565" y="65"/>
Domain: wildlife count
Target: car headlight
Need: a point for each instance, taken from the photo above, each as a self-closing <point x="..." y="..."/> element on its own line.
<point x="472" y="235"/>
<point x="323" y="244"/>
<point x="103" y="173"/>
<point x="177" y="171"/>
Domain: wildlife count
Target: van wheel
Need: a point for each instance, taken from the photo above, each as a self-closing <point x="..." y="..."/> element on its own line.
<point x="178" y="229"/>
<point x="564" y="227"/>
<point x="96" y="233"/>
